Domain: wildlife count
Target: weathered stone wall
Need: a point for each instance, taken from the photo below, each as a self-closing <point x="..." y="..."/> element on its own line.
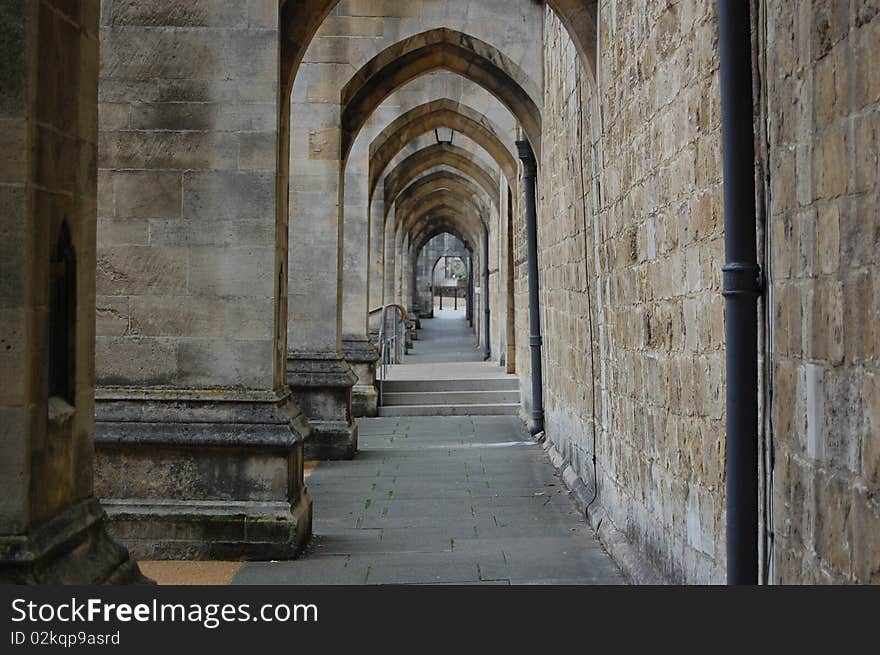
<point x="188" y="260"/>
<point x="633" y="334"/>
<point x="191" y="273"/>
<point x="52" y="529"/>
<point x="191" y="254"/>
<point x="47" y="179"/>
<point x="567" y="264"/>
<point x="823" y="133"/>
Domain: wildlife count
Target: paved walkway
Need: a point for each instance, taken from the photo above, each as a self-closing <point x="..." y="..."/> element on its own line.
<point x="432" y="500"/>
<point x="445" y="338"/>
<point x="435" y="500"/>
<point x="442" y="500"/>
<point x="446" y="350"/>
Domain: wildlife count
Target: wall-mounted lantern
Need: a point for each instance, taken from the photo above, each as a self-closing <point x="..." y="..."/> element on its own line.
<point x="444" y="135"/>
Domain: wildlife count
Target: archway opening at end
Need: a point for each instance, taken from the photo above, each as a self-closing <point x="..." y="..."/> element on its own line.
<point x="449" y="283"/>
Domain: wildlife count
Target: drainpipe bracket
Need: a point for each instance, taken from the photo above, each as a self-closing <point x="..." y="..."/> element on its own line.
<point x="536" y="340"/>
<point x="742" y="279"/>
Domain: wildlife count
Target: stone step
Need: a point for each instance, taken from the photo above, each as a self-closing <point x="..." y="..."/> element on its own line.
<point x="449" y="397"/>
<point x="510" y="383"/>
<point x="496" y="409"/>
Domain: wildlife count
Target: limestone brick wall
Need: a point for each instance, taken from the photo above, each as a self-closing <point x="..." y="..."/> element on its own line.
<point x="640" y="326"/>
<point x="630" y="177"/>
<point x="188" y="266"/>
<point x="823" y="135"/>
<point x="567" y="263"/>
<point x="48" y="133"/>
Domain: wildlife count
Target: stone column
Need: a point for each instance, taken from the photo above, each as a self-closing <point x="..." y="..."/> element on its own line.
<point x="198" y="443"/>
<point x="377" y="264"/>
<point x="317" y="371"/>
<point x="52" y="528"/>
<point x="357" y="347"/>
<point x="399" y="255"/>
<point x="406" y="286"/>
<point x="390" y="261"/>
<point x="406" y="274"/>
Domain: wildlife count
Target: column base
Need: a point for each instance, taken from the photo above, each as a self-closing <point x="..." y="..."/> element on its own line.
<point x="203" y="474"/>
<point x="361" y="355"/>
<point x="322" y="385"/>
<point x="212" y="530"/>
<point x="410" y="334"/>
<point x="73" y="548"/>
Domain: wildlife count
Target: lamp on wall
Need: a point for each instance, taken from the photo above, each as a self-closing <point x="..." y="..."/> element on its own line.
<point x="444" y="135"/>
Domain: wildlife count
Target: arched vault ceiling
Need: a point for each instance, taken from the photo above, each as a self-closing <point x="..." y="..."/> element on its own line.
<point x="299" y="20"/>
<point x="444" y="181"/>
<point x="442" y="205"/>
<point x="440" y="221"/>
<point x="439" y="49"/>
<point x="434" y="86"/>
<point x="439" y="197"/>
<point x="435" y="114"/>
<point x="439" y="154"/>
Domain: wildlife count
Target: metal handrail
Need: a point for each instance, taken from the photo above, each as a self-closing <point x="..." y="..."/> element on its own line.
<point x="389" y="345"/>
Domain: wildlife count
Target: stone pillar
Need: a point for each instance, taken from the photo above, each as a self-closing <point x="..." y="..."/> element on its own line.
<point x="406" y="286"/>
<point x="317" y="370"/>
<point x="52" y="528"/>
<point x="390" y="262"/>
<point x="399" y="255"/>
<point x="406" y="274"/>
<point x="198" y="445"/>
<point x="479" y="295"/>
<point x="357" y="347"/>
<point x="469" y="307"/>
<point x="377" y="265"/>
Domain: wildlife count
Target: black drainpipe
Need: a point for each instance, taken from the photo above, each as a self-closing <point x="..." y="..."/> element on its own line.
<point x="742" y="286"/>
<point x="530" y="174"/>
<point x="469" y="311"/>
<point x="484" y="294"/>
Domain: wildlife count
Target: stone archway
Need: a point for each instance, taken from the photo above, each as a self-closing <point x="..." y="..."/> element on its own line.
<point x="438" y="113"/>
<point x="435" y="156"/>
<point x="440" y="49"/>
<point x="440" y="181"/>
<point x="300" y="20"/>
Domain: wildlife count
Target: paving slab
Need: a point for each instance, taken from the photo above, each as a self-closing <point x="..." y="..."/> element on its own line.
<point x="434" y="509"/>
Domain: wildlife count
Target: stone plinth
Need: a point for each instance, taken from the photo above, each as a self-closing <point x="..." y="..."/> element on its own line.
<point x="72" y="548"/>
<point x="203" y="475"/>
<point x="361" y="355"/>
<point x="322" y="385"/>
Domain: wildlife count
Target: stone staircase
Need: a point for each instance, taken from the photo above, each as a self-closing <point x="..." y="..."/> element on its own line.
<point x="494" y="396"/>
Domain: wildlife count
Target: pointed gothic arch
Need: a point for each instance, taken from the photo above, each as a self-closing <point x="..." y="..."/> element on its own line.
<point x="438" y="49"/>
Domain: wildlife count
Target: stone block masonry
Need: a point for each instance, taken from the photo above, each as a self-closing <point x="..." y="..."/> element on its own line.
<point x="186" y="208"/>
<point x="630" y="249"/>
<point x="199" y="444"/>
<point x="823" y="236"/>
<point x="630" y="257"/>
<point x="52" y="528"/>
<point x="200" y="215"/>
